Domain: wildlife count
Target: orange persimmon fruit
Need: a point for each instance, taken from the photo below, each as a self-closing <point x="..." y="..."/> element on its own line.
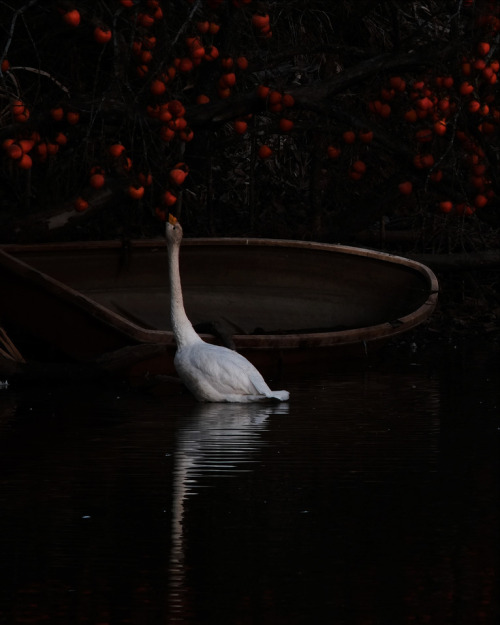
<point x="263" y="91"/>
<point x="275" y="97"/>
<point x="264" y="151"/>
<point x="411" y="116"/>
<point x="166" y="133"/>
<point x="81" y="204"/>
<point x="228" y="79"/>
<point x="57" y="113"/>
<point x="169" y="198"/>
<point x="177" y="176"/>
<point x="97" y="180"/>
<point x="203" y="26"/>
<point x="186" y="134"/>
<point x="102" y="34"/>
<point x="72" y="117"/>
<point x="466" y="88"/>
<point x="365" y="136"/>
<point x="135" y="191"/>
<point x="240" y="126"/>
<point x="116" y="150"/>
<point x="405" y="188"/>
<point x="242" y="63"/>
<point x="146" y="179"/>
<point x="285" y="124"/>
<point x="26" y="144"/>
<point x="157" y="87"/>
<point x="176" y="108"/>
<point x="72" y="18"/>
<point x="260" y="21"/>
<point x="15" y="151"/>
<point x="333" y="151"/>
<point x="359" y="166"/>
<point x="25" y="162"/>
<point x="480" y="200"/>
<point x="440" y="127"/>
<point x="483" y="47"/>
<point x="61" y="138"/>
<point x="349" y="136"/>
<point x="445" y="206"/>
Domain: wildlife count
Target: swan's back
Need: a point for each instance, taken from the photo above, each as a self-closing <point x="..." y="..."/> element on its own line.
<point x="215" y="373"/>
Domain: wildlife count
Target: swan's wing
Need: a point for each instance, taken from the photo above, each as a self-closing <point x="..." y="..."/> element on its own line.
<point x="210" y="368"/>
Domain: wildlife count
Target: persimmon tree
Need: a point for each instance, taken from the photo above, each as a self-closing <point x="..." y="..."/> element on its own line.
<point x="281" y="118"/>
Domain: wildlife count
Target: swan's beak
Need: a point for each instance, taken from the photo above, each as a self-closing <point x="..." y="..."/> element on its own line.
<point x="172" y="220"/>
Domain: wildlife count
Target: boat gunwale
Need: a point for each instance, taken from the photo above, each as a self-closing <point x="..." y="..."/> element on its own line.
<point x="285" y="341"/>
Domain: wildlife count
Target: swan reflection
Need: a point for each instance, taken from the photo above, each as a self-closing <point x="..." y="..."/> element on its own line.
<point x="215" y="440"/>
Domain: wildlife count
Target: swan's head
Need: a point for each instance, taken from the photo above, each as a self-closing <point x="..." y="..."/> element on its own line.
<point x="173" y="230"/>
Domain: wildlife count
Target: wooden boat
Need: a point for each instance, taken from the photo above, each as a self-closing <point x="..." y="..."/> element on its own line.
<point x="276" y="301"/>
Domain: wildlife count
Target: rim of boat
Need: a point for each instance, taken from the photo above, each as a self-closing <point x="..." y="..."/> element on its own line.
<point x="263" y="341"/>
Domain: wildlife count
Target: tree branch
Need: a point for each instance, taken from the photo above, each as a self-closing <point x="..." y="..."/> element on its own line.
<point x="309" y="96"/>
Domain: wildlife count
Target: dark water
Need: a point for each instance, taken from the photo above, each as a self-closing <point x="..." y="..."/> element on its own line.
<point x="372" y="498"/>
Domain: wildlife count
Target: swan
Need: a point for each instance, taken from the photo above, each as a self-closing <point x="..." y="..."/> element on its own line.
<point x="212" y="373"/>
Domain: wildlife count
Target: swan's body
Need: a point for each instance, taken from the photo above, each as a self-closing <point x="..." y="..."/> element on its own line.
<point x="211" y="372"/>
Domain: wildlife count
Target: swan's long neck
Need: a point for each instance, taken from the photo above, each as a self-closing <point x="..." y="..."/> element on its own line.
<point x="183" y="330"/>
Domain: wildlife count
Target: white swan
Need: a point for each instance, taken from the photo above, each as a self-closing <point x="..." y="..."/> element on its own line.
<point x="211" y="372"/>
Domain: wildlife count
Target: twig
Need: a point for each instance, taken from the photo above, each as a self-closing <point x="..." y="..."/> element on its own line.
<point x="196" y="6"/>
<point x="41" y="72"/>
<point x="17" y="14"/>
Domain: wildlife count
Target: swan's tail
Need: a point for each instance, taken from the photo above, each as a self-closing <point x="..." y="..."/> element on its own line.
<point x="280" y="395"/>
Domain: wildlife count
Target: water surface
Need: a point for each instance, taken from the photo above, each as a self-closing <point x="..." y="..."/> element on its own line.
<point x="370" y="498"/>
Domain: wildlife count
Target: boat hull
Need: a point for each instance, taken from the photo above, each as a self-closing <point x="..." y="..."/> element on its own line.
<point x="275" y="301"/>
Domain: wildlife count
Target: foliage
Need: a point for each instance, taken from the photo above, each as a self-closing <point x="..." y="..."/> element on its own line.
<point x="285" y="118"/>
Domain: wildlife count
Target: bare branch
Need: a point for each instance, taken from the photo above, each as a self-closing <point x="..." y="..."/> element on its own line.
<point x="41" y="72"/>
<point x="12" y="28"/>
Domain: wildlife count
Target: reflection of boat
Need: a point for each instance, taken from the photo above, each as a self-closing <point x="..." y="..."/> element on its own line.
<point x="277" y="301"/>
<point x="214" y="441"/>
